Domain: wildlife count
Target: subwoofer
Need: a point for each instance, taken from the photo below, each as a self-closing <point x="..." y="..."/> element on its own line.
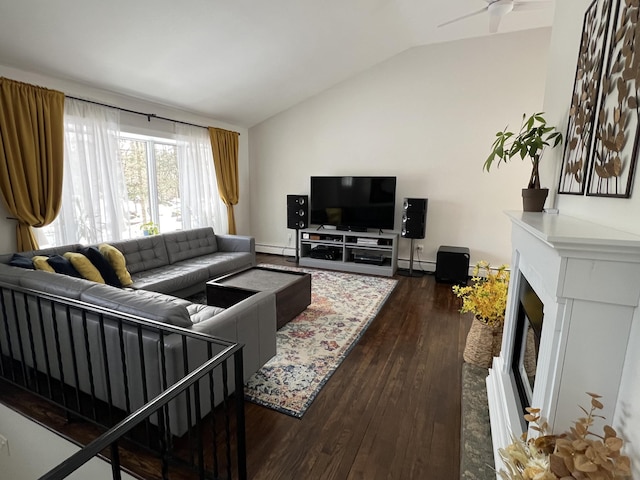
<point x="297" y="211"/>
<point x="414" y="217"/>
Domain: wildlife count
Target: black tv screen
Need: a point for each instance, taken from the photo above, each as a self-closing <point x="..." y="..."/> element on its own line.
<point x="353" y="202"/>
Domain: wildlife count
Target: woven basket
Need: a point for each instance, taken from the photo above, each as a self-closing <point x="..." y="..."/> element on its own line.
<point x="483" y="343"/>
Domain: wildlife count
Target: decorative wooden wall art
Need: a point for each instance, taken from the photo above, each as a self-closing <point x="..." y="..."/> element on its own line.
<point x="586" y="85"/>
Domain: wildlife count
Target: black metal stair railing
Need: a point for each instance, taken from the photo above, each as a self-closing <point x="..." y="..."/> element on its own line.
<point x="163" y="390"/>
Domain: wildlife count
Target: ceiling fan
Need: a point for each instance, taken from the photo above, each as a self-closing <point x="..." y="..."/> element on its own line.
<point x="499" y="8"/>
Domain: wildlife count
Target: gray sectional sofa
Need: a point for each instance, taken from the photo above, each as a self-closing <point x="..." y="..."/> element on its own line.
<point x="163" y="268"/>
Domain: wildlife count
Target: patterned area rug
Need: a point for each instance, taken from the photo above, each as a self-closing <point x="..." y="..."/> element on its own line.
<point x="312" y="346"/>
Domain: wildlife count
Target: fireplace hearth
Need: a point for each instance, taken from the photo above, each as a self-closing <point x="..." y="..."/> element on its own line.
<point x="574" y="289"/>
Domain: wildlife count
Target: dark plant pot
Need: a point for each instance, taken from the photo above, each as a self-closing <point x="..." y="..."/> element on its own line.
<point x="533" y="199"/>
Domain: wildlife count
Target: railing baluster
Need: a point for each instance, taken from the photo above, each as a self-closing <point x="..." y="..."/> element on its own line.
<point x="227" y="420"/>
<point x="115" y="462"/>
<point x="56" y="336"/>
<point x="164" y="454"/>
<point x="74" y="358"/>
<point x="143" y="374"/>
<point x="31" y="343"/>
<point x="5" y="321"/>
<point x="19" y="334"/>
<point x="163" y="368"/>
<point x="44" y="346"/>
<point x="87" y="347"/>
<point x="196" y="394"/>
<point x="125" y="376"/>
<point x="185" y="363"/>
<point x="214" y="430"/>
<point x="107" y="376"/>
<point x="241" y="439"/>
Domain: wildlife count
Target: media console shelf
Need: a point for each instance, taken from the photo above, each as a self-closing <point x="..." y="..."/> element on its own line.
<point x="358" y="252"/>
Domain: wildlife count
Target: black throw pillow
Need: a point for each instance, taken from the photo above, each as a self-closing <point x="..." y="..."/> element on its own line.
<point x="62" y="265"/>
<point x="102" y="264"/>
<point x="21" y="261"/>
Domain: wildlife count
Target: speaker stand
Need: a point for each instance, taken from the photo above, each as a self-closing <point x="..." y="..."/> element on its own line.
<point x="410" y="272"/>
<point x="296" y="259"/>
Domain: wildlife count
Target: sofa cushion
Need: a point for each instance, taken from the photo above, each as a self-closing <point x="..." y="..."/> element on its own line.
<point x="40" y="262"/>
<point x="219" y="263"/>
<point x="84" y="266"/>
<point x="21" y="261"/>
<point x="150" y="305"/>
<point x="143" y="253"/>
<point x="190" y="243"/>
<point x="117" y="260"/>
<point x="102" y="264"/>
<point x="47" y="252"/>
<point x="62" y="265"/>
<point x="171" y="278"/>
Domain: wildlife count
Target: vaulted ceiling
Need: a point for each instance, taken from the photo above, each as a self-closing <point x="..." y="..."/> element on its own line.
<point x="239" y="61"/>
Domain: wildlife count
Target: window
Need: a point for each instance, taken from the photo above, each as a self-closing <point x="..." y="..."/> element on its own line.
<point x="152" y="178"/>
<point x="115" y="182"/>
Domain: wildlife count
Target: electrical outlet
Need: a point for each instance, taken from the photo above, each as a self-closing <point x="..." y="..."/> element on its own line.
<point x="419" y="247"/>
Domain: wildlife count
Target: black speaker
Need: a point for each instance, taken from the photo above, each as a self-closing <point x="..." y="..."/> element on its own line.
<point x="297" y="211"/>
<point x="414" y="217"/>
<point x="452" y="265"/>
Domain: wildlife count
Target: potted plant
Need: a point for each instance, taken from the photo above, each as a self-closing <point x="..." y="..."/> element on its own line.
<point x="530" y="141"/>
<point x="486" y="298"/>
<point x="149" y="228"/>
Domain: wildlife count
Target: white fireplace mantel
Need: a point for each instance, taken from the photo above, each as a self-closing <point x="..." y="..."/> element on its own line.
<point x="588" y="278"/>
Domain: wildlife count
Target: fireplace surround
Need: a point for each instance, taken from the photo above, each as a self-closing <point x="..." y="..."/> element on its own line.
<point x="587" y="277"/>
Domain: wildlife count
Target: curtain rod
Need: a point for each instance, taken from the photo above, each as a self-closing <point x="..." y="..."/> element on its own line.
<point x="148" y="115"/>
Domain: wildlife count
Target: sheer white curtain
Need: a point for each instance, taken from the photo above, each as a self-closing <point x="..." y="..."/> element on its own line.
<point x="199" y="199"/>
<point x="94" y="197"/>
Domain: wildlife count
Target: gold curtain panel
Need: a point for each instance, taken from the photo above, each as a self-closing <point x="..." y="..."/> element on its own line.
<point x="31" y="155"/>
<point x="224" y="144"/>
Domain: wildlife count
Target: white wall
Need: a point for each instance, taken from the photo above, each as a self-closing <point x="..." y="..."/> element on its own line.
<point x="243" y="219"/>
<point x="617" y="213"/>
<point x="33" y="450"/>
<point x="427" y="116"/>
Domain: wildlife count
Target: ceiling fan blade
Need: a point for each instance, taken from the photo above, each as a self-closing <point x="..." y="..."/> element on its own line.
<point x="464" y="16"/>
<point x="494" y="22"/>
<point x="525" y="6"/>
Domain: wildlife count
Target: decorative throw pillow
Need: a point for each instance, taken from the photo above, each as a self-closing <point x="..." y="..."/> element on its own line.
<point x="40" y="262"/>
<point x="21" y="261"/>
<point x="84" y="266"/>
<point x="63" y="266"/>
<point x="118" y="262"/>
<point x="102" y="264"/>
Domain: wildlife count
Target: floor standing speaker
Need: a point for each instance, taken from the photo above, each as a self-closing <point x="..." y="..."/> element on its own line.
<point x="414" y="220"/>
<point x="414" y="217"/>
<point x="297" y="215"/>
<point x="297" y="211"/>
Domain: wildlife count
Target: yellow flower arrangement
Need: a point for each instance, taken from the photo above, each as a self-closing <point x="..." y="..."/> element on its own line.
<point x="576" y="454"/>
<point x="486" y="297"/>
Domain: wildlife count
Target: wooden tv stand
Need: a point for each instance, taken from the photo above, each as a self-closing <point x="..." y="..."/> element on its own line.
<point x="371" y="253"/>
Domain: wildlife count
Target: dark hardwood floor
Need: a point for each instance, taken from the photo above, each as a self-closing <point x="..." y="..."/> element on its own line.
<point x="390" y="411"/>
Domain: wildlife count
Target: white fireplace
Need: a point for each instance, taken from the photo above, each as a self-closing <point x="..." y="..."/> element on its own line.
<point x="588" y="279"/>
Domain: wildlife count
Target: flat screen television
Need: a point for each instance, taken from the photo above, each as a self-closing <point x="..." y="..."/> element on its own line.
<point x="353" y="203"/>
